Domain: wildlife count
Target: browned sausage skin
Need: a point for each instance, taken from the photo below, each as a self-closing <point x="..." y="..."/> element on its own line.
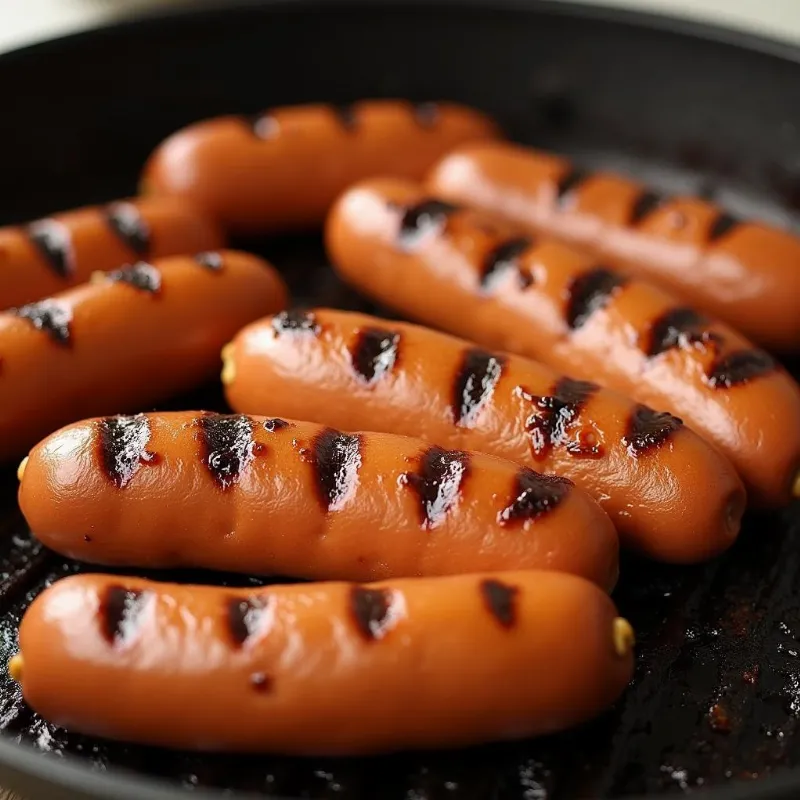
<point x="283" y="168"/>
<point x="743" y="272"/>
<point x="273" y="496"/>
<point x="473" y="275"/>
<point x="330" y="668"/>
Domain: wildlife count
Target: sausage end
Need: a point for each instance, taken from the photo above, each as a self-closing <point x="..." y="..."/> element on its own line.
<point x="15" y="668"/>
<point x="623" y="636"/>
<point x="21" y="468"/>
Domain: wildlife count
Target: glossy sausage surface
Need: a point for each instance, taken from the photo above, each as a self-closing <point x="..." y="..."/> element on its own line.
<point x="282" y="169"/>
<point x="473" y="275"/>
<point x="136" y="336"/>
<point x="329" y="668"/>
<point x="49" y="255"/>
<point x="672" y="497"/>
<point x="743" y="272"/>
<point x="270" y="496"/>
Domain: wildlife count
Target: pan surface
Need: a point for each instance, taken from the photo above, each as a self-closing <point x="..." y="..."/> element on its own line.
<point x="715" y="705"/>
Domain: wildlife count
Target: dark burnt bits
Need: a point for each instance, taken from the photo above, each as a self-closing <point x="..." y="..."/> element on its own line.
<point x="474" y="384"/>
<point x="210" y="260"/>
<point x="740" y="367"/>
<point x="296" y="321"/>
<point x="644" y="205"/>
<point x="274" y="425"/>
<point x="533" y="496"/>
<point x="336" y="460"/>
<point x="374" y="354"/>
<point x="245" y="618"/>
<point x="53" y="241"/>
<point x="648" y="430"/>
<point x="49" y="316"/>
<point x="589" y="292"/>
<point x="120" y="613"/>
<point x="569" y="183"/>
<point x="505" y="258"/>
<point x="128" y="224"/>
<point x="722" y="225"/>
<point x="438" y="483"/>
<point x="680" y="328"/>
<point x="122" y="447"/>
<point x="426" y="114"/>
<point x="371" y="610"/>
<point x="347" y="115"/>
<point x="228" y="447"/>
<point x="142" y="276"/>
<point x="500" y="600"/>
<point x="429" y="217"/>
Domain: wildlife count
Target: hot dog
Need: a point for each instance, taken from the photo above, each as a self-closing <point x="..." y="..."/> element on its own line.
<point x="475" y="276"/>
<point x="269" y="496"/>
<point x="742" y="272"/>
<point x="49" y="255"/>
<point x="675" y="499"/>
<point x="136" y="336"/>
<point x="330" y="668"/>
<point x="283" y="168"/>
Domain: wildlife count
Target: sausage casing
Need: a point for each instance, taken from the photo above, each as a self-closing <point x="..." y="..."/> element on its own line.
<point x="267" y="496"/>
<point x="473" y="275"/>
<point x="743" y="272"/>
<point x="676" y="499"/>
<point x="330" y="668"/>
<point x="283" y="169"/>
<point x="136" y="336"/>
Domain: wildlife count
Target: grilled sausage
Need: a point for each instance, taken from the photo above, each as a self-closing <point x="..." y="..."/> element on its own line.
<point x="675" y="499"/>
<point x="52" y="254"/>
<point x="268" y="496"/>
<point x="139" y="335"/>
<point x="282" y="169"/>
<point x="329" y="668"/>
<point x="745" y="273"/>
<point x="474" y="276"/>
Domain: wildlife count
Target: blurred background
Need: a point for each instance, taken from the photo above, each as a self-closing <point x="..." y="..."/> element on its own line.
<point x="26" y="21"/>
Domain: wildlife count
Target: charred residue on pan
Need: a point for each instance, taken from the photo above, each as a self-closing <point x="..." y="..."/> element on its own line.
<point x="647" y="430"/>
<point x="723" y="224"/>
<point x="438" y="482"/>
<point x="296" y="321"/>
<point x="228" y="446"/>
<point x="374" y="353"/>
<point x="53" y="240"/>
<point x="589" y="292"/>
<point x="336" y="460"/>
<point x="247" y="617"/>
<point x="275" y="424"/>
<point x="122" y="447"/>
<point x="533" y="496"/>
<point x="478" y="374"/>
<point x="680" y="328"/>
<point x="740" y="367"/>
<point x="120" y="612"/>
<point x="500" y="601"/>
<point x="371" y="610"/>
<point x="423" y="219"/>
<point x="127" y="222"/>
<point x="211" y="260"/>
<point x="142" y="276"/>
<point x="644" y="205"/>
<point x="568" y="183"/>
<point x="504" y="258"/>
<point x="426" y="114"/>
<point x="49" y="316"/>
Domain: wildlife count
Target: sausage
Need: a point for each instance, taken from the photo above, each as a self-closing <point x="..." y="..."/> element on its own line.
<point x="49" y="255"/>
<point x="133" y="337"/>
<point x="327" y="668"/>
<point x="743" y="272"/>
<point x="475" y="276"/>
<point x="271" y="496"/>
<point x="282" y="169"/>
<point x="675" y="499"/>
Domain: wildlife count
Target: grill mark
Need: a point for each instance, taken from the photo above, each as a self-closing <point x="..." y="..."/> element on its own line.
<point x="534" y="496"/>
<point x="371" y="610"/>
<point x="120" y="613"/>
<point x="122" y="443"/>
<point x="128" y="224"/>
<point x="678" y="328"/>
<point x="246" y="618"/>
<point x="426" y="114"/>
<point x="723" y="224"/>
<point x="142" y="276"/>
<point x="590" y="292"/>
<point x="228" y="447"/>
<point x="336" y="459"/>
<point x="374" y="353"/>
<point x="296" y="321"/>
<point x="422" y="219"/>
<point x="438" y="483"/>
<point x="647" y="430"/>
<point x="53" y="241"/>
<point x="347" y="114"/>
<point x="506" y="256"/>
<point x="500" y="601"/>
<point x="569" y="182"/>
<point x="739" y="368"/>
<point x="474" y="385"/>
<point x="211" y="260"/>
<point x="645" y="204"/>
<point x="274" y="425"/>
<point x="48" y="316"/>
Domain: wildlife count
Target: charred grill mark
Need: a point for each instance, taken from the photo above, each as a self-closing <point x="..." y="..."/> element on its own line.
<point x="500" y="601"/>
<point x="534" y="495"/>
<point x="211" y="260"/>
<point x="740" y="367"/>
<point x="506" y="256"/>
<point x="569" y="182"/>
<point x="374" y="353"/>
<point x="53" y="240"/>
<point x="647" y="430"/>
<point x="296" y="321"/>
<point x="423" y="219"/>
<point x="371" y="610"/>
<point x="426" y="114"/>
<point x="228" y="447"/>
<point x="246" y="618"/>
<point x="122" y="443"/>
<point x="678" y="328"/>
<point x="722" y="225"/>
<point x="336" y="459"/>
<point x="120" y="613"/>
<point x="645" y="204"/>
<point x="347" y="114"/>
<point x="439" y="483"/>
<point x="142" y="276"/>
<point x="589" y="292"/>
<point x="48" y="316"/>
<point x="474" y="385"/>
<point x="127" y="222"/>
<point x="274" y="425"/>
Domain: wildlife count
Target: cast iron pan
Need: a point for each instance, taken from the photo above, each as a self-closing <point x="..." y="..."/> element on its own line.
<point x="716" y="698"/>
